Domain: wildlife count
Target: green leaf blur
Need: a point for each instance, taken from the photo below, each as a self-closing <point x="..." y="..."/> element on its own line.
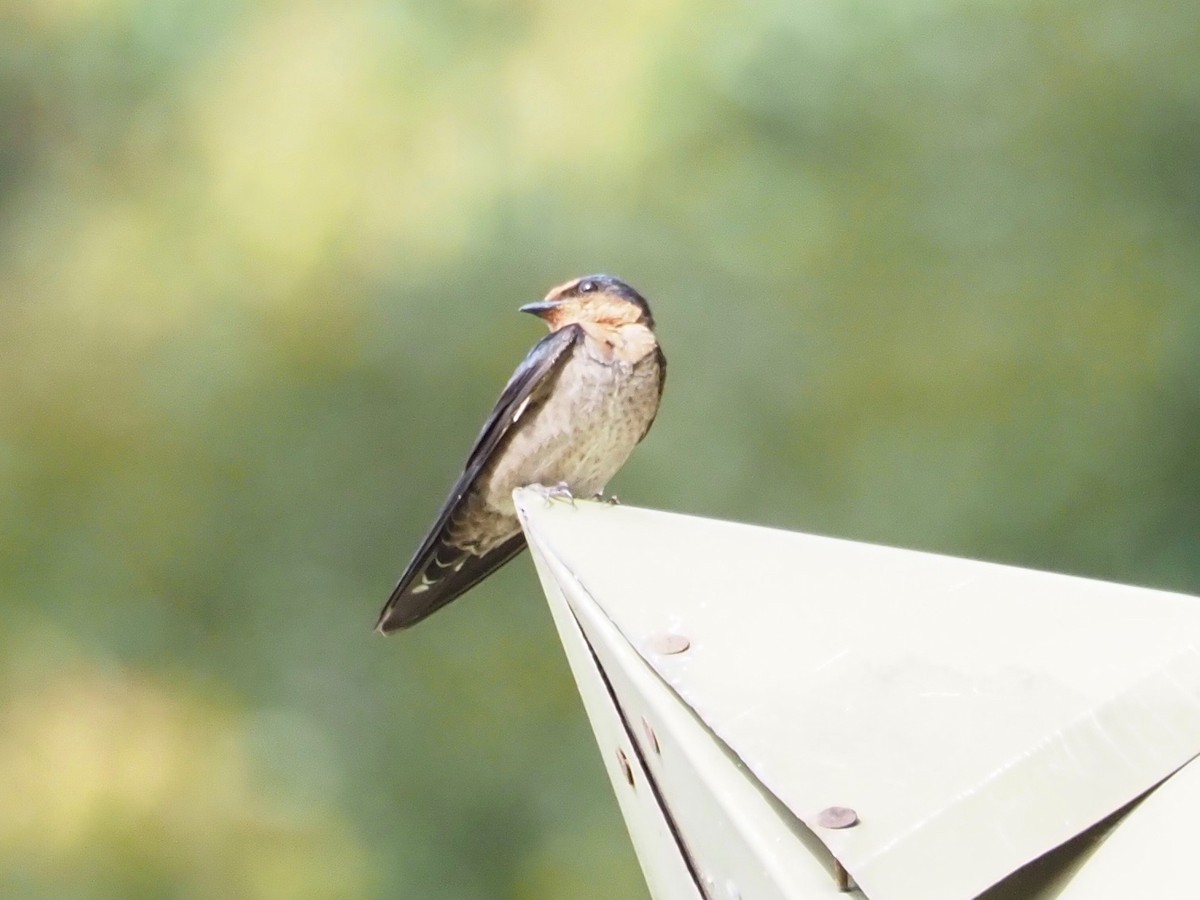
<point x="927" y="273"/>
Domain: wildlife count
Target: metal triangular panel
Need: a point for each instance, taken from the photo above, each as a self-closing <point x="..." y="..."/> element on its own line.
<point x="973" y="716"/>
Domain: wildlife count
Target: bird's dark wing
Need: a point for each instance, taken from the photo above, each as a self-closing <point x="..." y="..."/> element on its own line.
<point x="442" y="569"/>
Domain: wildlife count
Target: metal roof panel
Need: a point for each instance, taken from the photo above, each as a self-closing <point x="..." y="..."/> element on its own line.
<point x="974" y="715"/>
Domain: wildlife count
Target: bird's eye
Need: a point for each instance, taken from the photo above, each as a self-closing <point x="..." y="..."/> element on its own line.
<point x="586" y="287"/>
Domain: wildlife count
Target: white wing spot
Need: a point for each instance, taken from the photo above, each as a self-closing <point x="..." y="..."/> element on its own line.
<point x="521" y="409"/>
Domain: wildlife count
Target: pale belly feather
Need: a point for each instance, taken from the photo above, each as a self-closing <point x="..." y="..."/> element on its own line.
<point x="584" y="432"/>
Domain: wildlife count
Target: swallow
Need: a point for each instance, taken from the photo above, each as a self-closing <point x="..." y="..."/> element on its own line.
<point x="568" y="419"/>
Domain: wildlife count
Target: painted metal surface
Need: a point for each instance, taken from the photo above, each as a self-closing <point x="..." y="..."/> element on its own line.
<point x="701" y="826"/>
<point x="972" y="716"/>
<point x="1152" y="853"/>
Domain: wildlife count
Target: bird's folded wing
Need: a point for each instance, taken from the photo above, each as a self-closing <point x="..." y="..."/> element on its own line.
<point x="443" y="568"/>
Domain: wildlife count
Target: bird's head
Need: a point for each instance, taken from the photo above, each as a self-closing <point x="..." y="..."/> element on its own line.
<point x="599" y="299"/>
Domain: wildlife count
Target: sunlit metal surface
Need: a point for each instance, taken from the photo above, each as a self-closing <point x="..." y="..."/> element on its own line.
<point x="931" y="723"/>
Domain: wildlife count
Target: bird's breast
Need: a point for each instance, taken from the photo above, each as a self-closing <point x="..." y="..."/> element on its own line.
<point x="584" y="430"/>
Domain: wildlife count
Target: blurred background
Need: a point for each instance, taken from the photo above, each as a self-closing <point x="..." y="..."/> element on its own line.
<point x="927" y="273"/>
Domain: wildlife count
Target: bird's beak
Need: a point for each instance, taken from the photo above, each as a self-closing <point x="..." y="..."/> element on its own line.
<point x="540" y="308"/>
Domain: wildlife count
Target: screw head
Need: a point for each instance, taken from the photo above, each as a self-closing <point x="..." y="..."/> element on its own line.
<point x="626" y="766"/>
<point x="668" y="643"/>
<point x="837" y="817"/>
<point x="651" y="737"/>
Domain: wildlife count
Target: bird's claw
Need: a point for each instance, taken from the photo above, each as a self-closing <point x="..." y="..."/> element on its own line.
<point x="560" y="491"/>
<point x="611" y="499"/>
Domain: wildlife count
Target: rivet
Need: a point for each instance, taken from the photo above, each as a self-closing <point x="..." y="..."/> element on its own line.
<point x="668" y="643"/>
<point x="837" y="817"/>
<point x="626" y="768"/>
<point x="651" y="737"/>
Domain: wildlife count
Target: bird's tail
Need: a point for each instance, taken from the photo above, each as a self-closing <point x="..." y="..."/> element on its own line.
<point x="431" y="582"/>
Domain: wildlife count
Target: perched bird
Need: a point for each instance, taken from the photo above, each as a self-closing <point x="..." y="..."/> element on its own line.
<point x="567" y="420"/>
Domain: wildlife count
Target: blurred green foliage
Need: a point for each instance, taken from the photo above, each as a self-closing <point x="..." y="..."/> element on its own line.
<point x="927" y="273"/>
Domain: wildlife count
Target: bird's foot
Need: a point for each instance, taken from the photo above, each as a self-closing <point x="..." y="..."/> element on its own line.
<point x="611" y="500"/>
<point x="560" y="491"/>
